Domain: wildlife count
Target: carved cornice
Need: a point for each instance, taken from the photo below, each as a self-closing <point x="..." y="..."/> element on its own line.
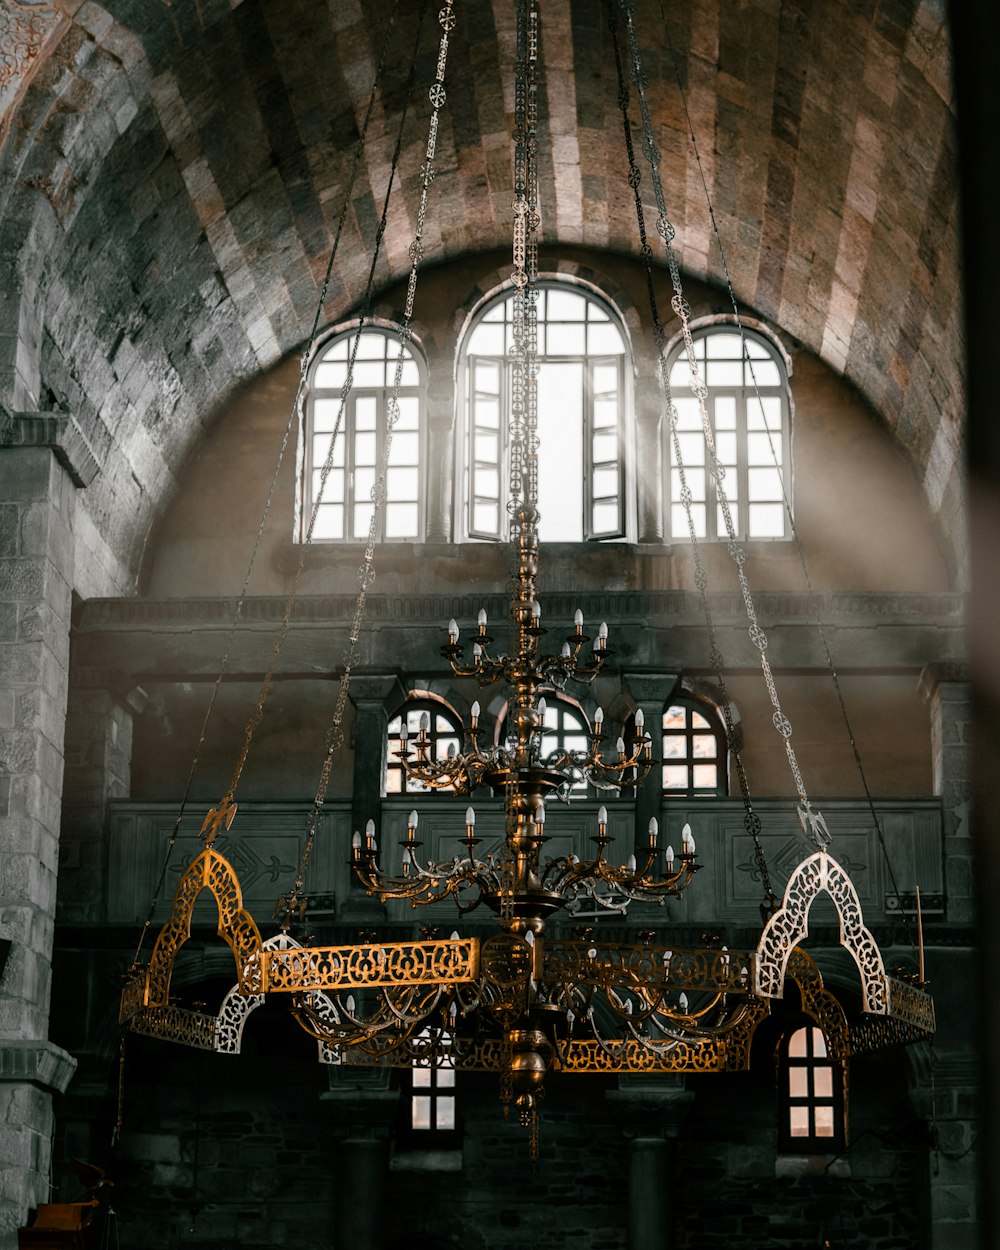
<point x="58" y="431"/>
<point x="36" y="1063"/>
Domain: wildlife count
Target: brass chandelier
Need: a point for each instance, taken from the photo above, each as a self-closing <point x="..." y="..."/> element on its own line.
<point x="523" y="1002"/>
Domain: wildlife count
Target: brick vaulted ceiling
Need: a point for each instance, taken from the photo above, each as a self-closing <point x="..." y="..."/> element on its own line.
<point x="172" y="171"/>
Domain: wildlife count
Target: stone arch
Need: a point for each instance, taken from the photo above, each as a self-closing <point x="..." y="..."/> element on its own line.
<point x="790" y="924"/>
<point x="213" y="872"/>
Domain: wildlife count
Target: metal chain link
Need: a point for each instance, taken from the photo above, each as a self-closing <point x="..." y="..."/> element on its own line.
<point x="813" y="823"/>
<point x="366" y="572"/>
<point x="283" y="447"/>
<point x="751" y="820"/>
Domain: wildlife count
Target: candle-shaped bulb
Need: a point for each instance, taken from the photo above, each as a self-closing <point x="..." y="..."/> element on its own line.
<point x="411" y="822"/>
<point x="470" y="817"/>
<point x="452" y="750"/>
<point x="536" y="611"/>
<point x="687" y="841"/>
<point x="475" y="713"/>
<point x="356" y="841"/>
<point x="602" y="636"/>
<point x="640" y="719"/>
<point x="654" y="829"/>
<point x="349" y="1004"/>
<point x="578" y="621"/>
<point x="455" y="938"/>
<point x="453" y="1009"/>
<point x="670" y="859"/>
<point x="477" y="653"/>
<point x="425" y="722"/>
<point x="683" y="1002"/>
<point x="370" y="835"/>
<point x="481" y="619"/>
<point x="599" y="719"/>
<point x="404" y="733"/>
<point x="602" y="815"/>
<point x="620" y="746"/>
<point x="631" y="864"/>
<point x="453" y="631"/>
<point x="540" y="814"/>
<point x="565" y="652"/>
<point x="529" y="937"/>
<point x="542" y="706"/>
<point x="570" y="1020"/>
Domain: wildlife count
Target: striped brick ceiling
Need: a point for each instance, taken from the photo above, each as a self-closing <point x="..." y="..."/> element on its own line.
<point x="173" y="171"/>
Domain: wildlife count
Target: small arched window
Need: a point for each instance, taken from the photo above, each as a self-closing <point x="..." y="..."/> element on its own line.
<point x="694" y="755"/>
<point x="582" y="376"/>
<point x="811" y="1094"/>
<point x="748" y="407"/>
<point x="566" y="729"/>
<point x="432" y="1111"/>
<point x="442" y="732"/>
<point x="359" y="419"/>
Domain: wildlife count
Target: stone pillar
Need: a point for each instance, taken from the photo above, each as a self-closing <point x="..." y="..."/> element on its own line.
<point x="946" y="689"/>
<point x="371" y="697"/>
<point x="98" y="769"/>
<point x="650" y="1112"/>
<point x="43" y="457"/>
<point x="440" y="461"/>
<point x="650" y="692"/>
<point x="364" y="1109"/>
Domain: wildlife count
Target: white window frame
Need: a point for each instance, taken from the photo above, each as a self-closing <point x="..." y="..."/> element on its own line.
<point x="477" y="462"/>
<point x="355" y="496"/>
<point x="748" y="455"/>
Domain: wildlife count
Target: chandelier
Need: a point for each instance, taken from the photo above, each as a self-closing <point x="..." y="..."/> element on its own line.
<point x="525" y="1001"/>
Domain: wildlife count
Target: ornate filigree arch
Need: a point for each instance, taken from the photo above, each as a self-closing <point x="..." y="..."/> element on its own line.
<point x="790" y="924"/>
<point x="207" y="871"/>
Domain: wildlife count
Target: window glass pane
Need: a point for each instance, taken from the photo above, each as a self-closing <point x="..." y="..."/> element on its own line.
<point x="560" y="460"/>
<point x="797" y="1044"/>
<point x="763" y="373"/>
<point x="763" y="484"/>
<point x="692" y="447"/>
<point x="445" y="1078"/>
<point x="674" y="747"/>
<point x="365" y="412"/>
<point x="565" y="340"/>
<point x="421" y="1108"/>
<point x="330" y="376"/>
<point x="402" y="484"/>
<point x="488" y="413"/>
<point x="605" y="380"/>
<point x="421" y="1077"/>
<point x="604" y="340"/>
<point x="605" y="447"/>
<point x="595" y="312"/>
<point x="329" y="521"/>
<point x="605" y="518"/>
<point x="823" y="1082"/>
<point x="680" y="374"/>
<point x="405" y="449"/>
<point x="724" y="411"/>
<point x="410" y="375"/>
<point x="688" y="414"/>
<point x="675" y="717"/>
<point x="605" y="484"/>
<point x="723" y="346"/>
<point x="362" y="519"/>
<point x="679" y="523"/>
<point x="401" y="520"/>
<point x="704" y="746"/>
<point x="324" y="414"/>
<point x="756" y="351"/>
<point x="675" y="776"/>
<point x="333" y="490"/>
<point x="338" y="350"/>
<point x="798" y="1121"/>
<point x="763" y="449"/>
<point x="705" y="776"/>
<point x="818" y="1044"/>
<point x="606" y="413"/>
<point x="409" y="414"/>
<point x="725" y="373"/>
<point x="446" y="1114"/>
<point x="695" y="481"/>
<point x="485" y="517"/>
<point x="764" y="414"/>
<point x="368" y="373"/>
<point x="725" y="448"/>
<point x="798" y="1082"/>
<point x="824" y="1121"/>
<point x="394" y="777"/>
<point x="372" y="346"/>
<point x="487" y="339"/>
<point x="364" y="480"/>
<point x="486" y="482"/>
<point x="487" y="377"/>
<point x="563" y="305"/>
<point x="767" y="520"/>
<point x="486" y="447"/>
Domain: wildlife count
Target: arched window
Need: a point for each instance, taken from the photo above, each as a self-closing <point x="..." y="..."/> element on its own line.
<point x="811" y="1094"/>
<point x="345" y="510"/>
<point x="443" y="731"/>
<point x="694" y="754"/>
<point x="566" y="728"/>
<point x="432" y="1112"/>
<point x="748" y="408"/>
<point x="582" y="380"/>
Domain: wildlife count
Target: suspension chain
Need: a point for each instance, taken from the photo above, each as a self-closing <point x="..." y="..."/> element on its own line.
<point x="813" y="823"/>
<point x="751" y="820"/>
<point x="366" y="573"/>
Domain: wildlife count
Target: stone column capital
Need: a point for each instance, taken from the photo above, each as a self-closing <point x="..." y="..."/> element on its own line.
<point x="381" y="689"/>
<point x="39" y="1063"/>
<point x="60" y="432"/>
<point x="934" y="676"/>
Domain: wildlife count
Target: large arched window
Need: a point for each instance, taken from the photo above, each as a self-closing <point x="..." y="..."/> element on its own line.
<point x="694" y="750"/>
<point x="345" y="510"/>
<point x="748" y="408"/>
<point x="582" y="379"/>
<point x="430" y="723"/>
